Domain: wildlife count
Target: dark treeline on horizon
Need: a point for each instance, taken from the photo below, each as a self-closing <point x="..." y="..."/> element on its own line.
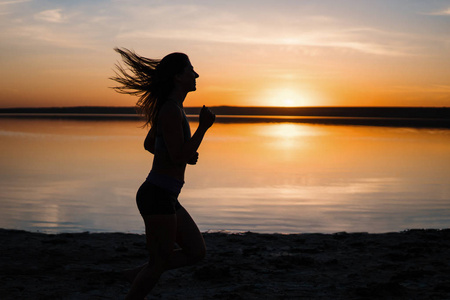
<point x="355" y="112"/>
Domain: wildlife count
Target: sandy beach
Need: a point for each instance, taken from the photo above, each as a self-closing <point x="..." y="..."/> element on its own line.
<point x="413" y="264"/>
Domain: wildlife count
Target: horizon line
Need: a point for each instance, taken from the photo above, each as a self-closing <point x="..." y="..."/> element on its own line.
<point x="230" y="106"/>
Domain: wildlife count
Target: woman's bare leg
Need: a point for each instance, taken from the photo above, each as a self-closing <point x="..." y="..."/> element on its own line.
<point x="190" y="239"/>
<point x="191" y="242"/>
<point x="161" y="233"/>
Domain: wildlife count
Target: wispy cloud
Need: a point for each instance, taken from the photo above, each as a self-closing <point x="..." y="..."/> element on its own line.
<point x="309" y="34"/>
<point x="338" y="39"/>
<point x="443" y="12"/>
<point x="13" y="2"/>
<point x="52" y="16"/>
<point x="59" y="27"/>
<point x="207" y="24"/>
<point x="7" y="6"/>
<point x="56" y="38"/>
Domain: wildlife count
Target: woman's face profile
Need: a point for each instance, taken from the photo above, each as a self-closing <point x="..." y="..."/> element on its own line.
<point x="186" y="79"/>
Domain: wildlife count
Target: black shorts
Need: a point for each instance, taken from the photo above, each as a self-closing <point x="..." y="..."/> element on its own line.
<point x="154" y="200"/>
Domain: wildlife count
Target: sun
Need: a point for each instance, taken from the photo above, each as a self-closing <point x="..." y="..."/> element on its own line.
<point x="288" y="102"/>
<point x="287" y="97"/>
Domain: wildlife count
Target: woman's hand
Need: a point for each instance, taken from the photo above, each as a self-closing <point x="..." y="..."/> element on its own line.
<point x="206" y="118"/>
<point x="193" y="160"/>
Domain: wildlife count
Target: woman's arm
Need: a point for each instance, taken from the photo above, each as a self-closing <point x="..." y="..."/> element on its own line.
<point x="171" y="120"/>
<point x="149" y="143"/>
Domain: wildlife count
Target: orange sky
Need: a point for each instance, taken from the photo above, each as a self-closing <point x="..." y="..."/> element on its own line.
<point x="248" y="53"/>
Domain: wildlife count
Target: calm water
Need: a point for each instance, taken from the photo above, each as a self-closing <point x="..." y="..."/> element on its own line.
<point x="71" y="176"/>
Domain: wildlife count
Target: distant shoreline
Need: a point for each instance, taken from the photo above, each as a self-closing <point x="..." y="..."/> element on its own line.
<point x="429" y="117"/>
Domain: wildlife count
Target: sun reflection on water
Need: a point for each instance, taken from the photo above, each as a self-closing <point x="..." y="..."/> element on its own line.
<point x="267" y="177"/>
<point x="289" y="130"/>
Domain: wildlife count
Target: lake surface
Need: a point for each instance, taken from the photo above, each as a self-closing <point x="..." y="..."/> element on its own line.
<point x="78" y="175"/>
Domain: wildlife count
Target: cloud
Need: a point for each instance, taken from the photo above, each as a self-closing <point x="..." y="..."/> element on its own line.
<point x="207" y="24"/>
<point x="79" y="28"/>
<point x="338" y="39"/>
<point x="52" y="16"/>
<point x="121" y="22"/>
<point x="55" y="37"/>
<point x="444" y="12"/>
<point x="13" y="2"/>
<point x="5" y="6"/>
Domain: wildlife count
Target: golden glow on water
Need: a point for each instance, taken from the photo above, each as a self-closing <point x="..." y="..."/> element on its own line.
<point x="63" y="175"/>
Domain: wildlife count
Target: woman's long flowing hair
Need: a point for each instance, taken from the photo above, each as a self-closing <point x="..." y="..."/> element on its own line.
<point x="151" y="80"/>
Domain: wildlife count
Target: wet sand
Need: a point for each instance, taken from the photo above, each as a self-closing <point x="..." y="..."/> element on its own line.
<point x="413" y="264"/>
